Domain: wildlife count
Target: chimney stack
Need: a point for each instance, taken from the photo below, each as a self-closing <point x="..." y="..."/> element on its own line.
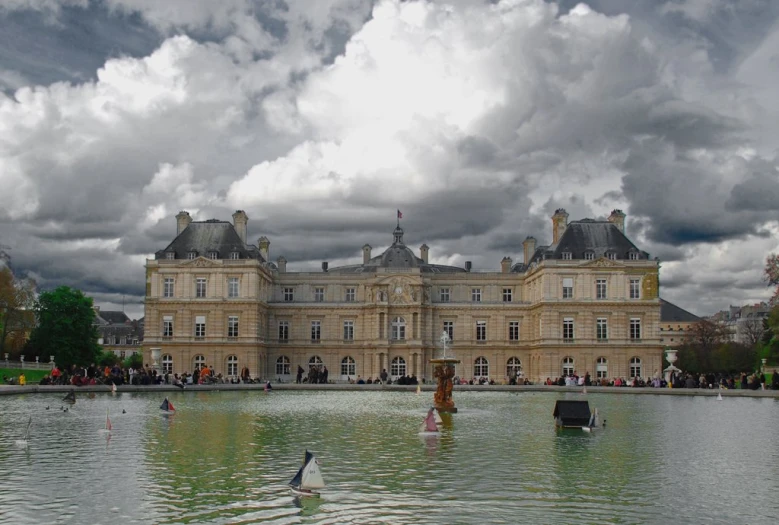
<point x="559" y="223"/>
<point x="182" y="221"/>
<point x="423" y="251"/>
<point x="618" y="219"/>
<point x="366" y="253"/>
<point x="281" y="263"/>
<point x="324" y="266"/>
<point x="468" y="266"/>
<point x="529" y="245"/>
<point x="241" y="223"/>
<point x="264" y="245"/>
<point x="505" y="265"/>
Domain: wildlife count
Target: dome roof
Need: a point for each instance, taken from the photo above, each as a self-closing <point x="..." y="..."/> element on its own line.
<point x="398" y="255"/>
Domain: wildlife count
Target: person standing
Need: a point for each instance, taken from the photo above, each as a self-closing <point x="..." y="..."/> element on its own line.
<point x="299" y="377"/>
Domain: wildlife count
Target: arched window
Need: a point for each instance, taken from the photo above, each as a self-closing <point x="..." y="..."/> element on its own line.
<point x="601" y="368"/>
<point x="398" y="367"/>
<point x="232" y="365"/>
<point x="398" y="329"/>
<point x="635" y="367"/>
<point x="167" y="364"/>
<point x="567" y="366"/>
<point x="199" y="361"/>
<point x="348" y="366"/>
<point x="314" y="362"/>
<point x="513" y="367"/>
<point x="481" y="367"/>
<point x="282" y="366"/>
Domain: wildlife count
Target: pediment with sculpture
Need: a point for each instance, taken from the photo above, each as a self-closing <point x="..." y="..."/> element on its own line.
<point x="398" y="290"/>
<point x="200" y="262"/>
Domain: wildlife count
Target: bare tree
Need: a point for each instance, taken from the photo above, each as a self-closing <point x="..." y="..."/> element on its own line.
<point x="751" y="331"/>
<point x="17" y="298"/>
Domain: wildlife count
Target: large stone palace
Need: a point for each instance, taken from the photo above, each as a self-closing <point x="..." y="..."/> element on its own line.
<point x="587" y="302"/>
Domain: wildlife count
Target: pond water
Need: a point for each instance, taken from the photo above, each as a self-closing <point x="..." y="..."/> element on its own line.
<point x="226" y="457"/>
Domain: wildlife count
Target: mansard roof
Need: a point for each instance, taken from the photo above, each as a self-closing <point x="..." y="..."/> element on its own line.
<point x="112" y="317"/>
<point x="670" y="313"/>
<point x="203" y="237"/>
<point x="588" y="236"/>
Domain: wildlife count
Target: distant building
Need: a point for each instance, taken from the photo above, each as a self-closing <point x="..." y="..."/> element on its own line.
<point x="744" y="323"/>
<point x="117" y="333"/>
<point x="675" y="323"/>
<point x="587" y="302"/>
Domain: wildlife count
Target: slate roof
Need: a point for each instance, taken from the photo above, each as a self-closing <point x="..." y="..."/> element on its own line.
<point x="207" y="236"/>
<point x="670" y="313"/>
<point x="396" y="256"/>
<point x="586" y="236"/>
<point x="113" y="317"/>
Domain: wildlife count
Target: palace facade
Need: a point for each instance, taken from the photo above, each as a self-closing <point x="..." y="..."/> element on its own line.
<point x="587" y="302"/>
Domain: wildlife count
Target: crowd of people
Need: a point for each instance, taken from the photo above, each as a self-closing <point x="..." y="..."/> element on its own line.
<point x="743" y="381"/>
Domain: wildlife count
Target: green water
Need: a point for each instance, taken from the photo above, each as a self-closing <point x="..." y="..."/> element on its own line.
<point x="225" y="457"/>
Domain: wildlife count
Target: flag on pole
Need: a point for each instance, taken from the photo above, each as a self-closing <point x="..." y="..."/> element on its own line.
<point x="400" y="215"/>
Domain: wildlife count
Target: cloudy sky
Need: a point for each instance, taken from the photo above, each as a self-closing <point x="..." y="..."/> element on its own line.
<point x="475" y="118"/>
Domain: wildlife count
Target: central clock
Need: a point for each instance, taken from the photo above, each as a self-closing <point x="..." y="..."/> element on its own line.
<point x="398" y="290"/>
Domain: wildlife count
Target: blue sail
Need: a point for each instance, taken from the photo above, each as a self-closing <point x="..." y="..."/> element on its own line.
<point x="298" y="479"/>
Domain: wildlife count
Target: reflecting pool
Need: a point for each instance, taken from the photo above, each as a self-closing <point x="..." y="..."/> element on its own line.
<point x="226" y="457"/>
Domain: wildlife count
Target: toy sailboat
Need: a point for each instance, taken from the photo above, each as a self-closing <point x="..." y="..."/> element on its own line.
<point x="593" y="423"/>
<point x="108" y="426"/>
<point x="308" y="477"/>
<point x="26" y="439"/>
<point x="419" y="389"/>
<point x="70" y="397"/>
<point x="429" y="427"/>
<point x="113" y="388"/>
<point x="438" y="419"/>
<point x="167" y="408"/>
<point x="719" y="396"/>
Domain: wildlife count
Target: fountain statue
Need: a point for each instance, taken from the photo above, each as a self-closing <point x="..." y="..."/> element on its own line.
<point x="444" y="374"/>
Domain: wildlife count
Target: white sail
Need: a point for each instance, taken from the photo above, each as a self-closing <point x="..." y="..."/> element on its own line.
<point x="312" y="477"/>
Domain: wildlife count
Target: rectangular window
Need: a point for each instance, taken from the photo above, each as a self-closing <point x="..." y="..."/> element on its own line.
<point x="289" y="295"/>
<point x="232" y="287"/>
<point x="567" y="287"/>
<point x="602" y="368"/>
<point x="167" y="326"/>
<point x="635" y="291"/>
<point x="443" y="294"/>
<point x="481" y="330"/>
<point x="200" y="326"/>
<point x="635" y="328"/>
<point x="283" y="331"/>
<point x="316" y="331"/>
<point x="348" y="330"/>
<point x="568" y="329"/>
<point x="602" y="329"/>
<point x="213" y="255"/>
<point x="170" y="255"/>
<point x="611" y="256"/>
<point x="567" y="256"/>
<point x="319" y="294"/>
<point x="351" y="295"/>
<point x="200" y="287"/>
<point x="589" y="256"/>
<point x="633" y="256"/>
<point x="235" y="255"/>
<point x="232" y="326"/>
<point x="476" y="295"/>
<point x="168" y="287"/>
<point x="600" y="288"/>
<point x="507" y="295"/>
<point x="191" y="255"/>
<point x="513" y="330"/>
<point x="449" y="329"/>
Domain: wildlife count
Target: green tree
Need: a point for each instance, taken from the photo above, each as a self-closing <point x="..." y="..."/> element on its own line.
<point x="17" y="299"/>
<point x="66" y="327"/>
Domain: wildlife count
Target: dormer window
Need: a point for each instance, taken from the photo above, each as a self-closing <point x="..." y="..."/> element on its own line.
<point x="611" y="256"/>
<point x="170" y="255"/>
<point x="567" y="256"/>
<point x="589" y="256"/>
<point x="213" y="255"/>
<point x="235" y="255"/>
<point x="192" y="255"/>
<point x="633" y="256"/>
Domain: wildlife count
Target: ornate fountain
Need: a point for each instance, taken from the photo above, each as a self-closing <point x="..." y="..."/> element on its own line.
<point x="443" y="371"/>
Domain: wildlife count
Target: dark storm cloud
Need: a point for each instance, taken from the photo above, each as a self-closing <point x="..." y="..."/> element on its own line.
<point x="758" y="193"/>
